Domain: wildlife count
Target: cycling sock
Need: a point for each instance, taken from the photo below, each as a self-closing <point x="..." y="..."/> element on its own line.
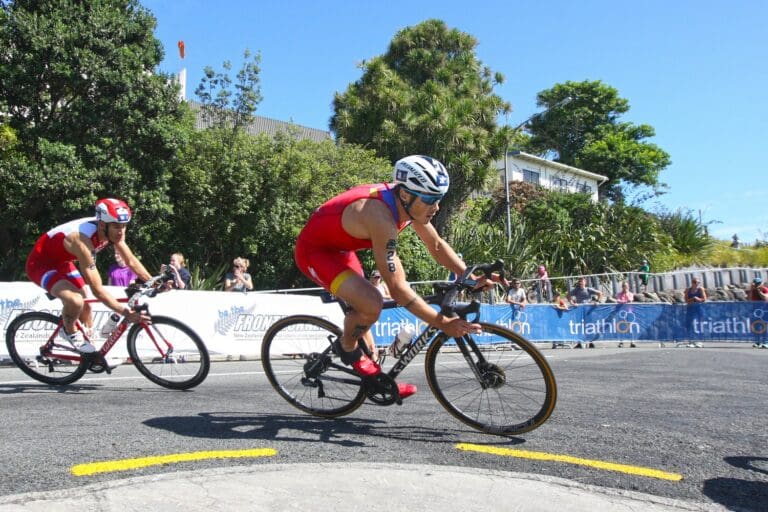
<point x="349" y="357"/>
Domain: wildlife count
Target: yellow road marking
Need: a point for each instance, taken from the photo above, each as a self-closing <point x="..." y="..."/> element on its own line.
<point x="126" y="464"/>
<point x="599" y="464"/>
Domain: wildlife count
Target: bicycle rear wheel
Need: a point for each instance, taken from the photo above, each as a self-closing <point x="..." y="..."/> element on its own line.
<point x="169" y="353"/>
<point x="300" y="364"/>
<point x="508" y="388"/>
<point x="32" y="343"/>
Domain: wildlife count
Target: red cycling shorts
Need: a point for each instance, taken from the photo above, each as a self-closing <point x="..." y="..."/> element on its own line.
<point x="327" y="267"/>
<point x="46" y="275"/>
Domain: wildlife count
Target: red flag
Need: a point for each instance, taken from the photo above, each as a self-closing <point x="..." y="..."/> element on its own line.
<point x="181" y="49"/>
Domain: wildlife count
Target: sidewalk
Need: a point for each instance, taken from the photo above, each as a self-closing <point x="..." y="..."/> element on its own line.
<point x="343" y="487"/>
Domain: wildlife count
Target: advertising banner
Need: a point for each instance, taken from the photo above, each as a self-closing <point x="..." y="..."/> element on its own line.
<point x="233" y="324"/>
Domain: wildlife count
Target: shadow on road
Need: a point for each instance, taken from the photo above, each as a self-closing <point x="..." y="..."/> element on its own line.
<point x="302" y="428"/>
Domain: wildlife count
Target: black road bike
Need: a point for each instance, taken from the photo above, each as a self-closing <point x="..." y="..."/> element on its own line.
<point x="496" y="382"/>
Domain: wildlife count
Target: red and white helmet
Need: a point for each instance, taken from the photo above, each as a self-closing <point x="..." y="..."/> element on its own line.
<point x="113" y="210"/>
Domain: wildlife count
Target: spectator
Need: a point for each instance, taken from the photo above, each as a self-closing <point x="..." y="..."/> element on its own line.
<point x="645" y="274"/>
<point x="238" y="280"/>
<point x="119" y="273"/>
<point x="736" y="243"/>
<point x="624" y="295"/>
<point x="181" y="276"/>
<point x="758" y="291"/>
<point x="545" y="286"/>
<point x="694" y="296"/>
<point x="516" y="295"/>
<point x="380" y="285"/>
<point x="695" y="293"/>
<point x="581" y="293"/>
<point x="559" y="302"/>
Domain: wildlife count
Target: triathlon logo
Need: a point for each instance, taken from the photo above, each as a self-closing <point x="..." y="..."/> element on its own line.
<point x="517" y="323"/>
<point x="759" y="325"/>
<point x="626" y="322"/>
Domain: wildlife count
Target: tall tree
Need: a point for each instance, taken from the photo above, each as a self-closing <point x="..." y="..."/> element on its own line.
<point x="225" y="108"/>
<point x="92" y="118"/>
<point x="586" y="132"/>
<point x="429" y="94"/>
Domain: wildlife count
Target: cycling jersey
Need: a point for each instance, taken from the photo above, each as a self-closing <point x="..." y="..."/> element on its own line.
<point x="49" y="262"/>
<point x="325" y="252"/>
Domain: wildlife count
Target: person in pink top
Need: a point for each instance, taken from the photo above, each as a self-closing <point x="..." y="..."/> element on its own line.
<point x="545" y="286"/>
<point x="624" y="295"/>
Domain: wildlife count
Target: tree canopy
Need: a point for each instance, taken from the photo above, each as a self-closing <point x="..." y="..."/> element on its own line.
<point x="92" y="118"/>
<point x="586" y="132"/>
<point x="429" y="94"/>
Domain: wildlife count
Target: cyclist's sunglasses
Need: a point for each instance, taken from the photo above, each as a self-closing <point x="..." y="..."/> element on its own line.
<point x="429" y="199"/>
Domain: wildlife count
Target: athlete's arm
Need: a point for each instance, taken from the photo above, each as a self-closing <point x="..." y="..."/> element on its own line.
<point x="80" y="246"/>
<point x="382" y="231"/>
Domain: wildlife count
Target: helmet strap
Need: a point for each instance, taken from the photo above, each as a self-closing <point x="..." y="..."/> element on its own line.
<point x="406" y="206"/>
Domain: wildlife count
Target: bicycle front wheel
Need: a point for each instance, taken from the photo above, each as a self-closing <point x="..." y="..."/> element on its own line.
<point x="503" y="385"/>
<point x="300" y="364"/>
<point x="32" y="343"/>
<point x="169" y="353"/>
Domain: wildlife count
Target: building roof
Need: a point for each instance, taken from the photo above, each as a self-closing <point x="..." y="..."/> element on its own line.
<point x="265" y="125"/>
<point x="557" y="165"/>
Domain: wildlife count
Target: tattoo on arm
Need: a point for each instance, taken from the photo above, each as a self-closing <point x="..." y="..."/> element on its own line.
<point x="92" y="266"/>
<point x="359" y="330"/>
<point x="391" y="252"/>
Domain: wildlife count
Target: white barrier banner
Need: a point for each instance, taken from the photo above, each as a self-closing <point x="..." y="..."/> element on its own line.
<point x="230" y="323"/>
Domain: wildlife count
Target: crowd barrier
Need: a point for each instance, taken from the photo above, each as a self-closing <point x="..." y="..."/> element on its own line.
<point x="233" y="324"/>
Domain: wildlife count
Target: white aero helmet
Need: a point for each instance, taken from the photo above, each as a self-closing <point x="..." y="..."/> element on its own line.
<point x="422" y="174"/>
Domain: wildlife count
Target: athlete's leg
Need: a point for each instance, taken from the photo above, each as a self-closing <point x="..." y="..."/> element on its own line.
<point x="366" y="303"/>
<point x="72" y="299"/>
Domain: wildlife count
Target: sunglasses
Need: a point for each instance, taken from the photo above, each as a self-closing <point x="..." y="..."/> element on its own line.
<point x="429" y="199"/>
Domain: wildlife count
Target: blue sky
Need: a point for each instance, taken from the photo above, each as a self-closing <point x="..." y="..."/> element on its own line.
<point x="697" y="71"/>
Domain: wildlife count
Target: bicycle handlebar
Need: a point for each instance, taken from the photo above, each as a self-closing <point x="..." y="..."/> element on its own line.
<point x="447" y="293"/>
<point x="139" y="289"/>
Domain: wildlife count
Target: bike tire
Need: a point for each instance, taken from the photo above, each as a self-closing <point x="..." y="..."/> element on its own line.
<point x="289" y="349"/>
<point x="26" y="334"/>
<point x="520" y="390"/>
<point x="186" y="366"/>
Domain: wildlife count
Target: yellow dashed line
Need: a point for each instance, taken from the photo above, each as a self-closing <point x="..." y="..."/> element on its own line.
<point x="610" y="466"/>
<point x="126" y="464"/>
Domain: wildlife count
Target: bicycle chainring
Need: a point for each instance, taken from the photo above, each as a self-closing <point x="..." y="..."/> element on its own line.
<point x="382" y="390"/>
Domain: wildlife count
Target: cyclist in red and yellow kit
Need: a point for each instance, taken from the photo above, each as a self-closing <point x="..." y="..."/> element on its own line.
<point x="51" y="265"/>
<point x="371" y="217"/>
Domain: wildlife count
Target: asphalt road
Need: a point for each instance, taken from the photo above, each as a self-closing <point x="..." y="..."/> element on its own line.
<point x="699" y="413"/>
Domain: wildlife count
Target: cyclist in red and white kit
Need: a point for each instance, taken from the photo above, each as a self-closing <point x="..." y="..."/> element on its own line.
<point x="371" y="217"/>
<point x="51" y="265"/>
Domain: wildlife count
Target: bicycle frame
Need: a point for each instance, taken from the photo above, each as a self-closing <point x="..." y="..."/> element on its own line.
<point x="117" y="332"/>
<point x="428" y="335"/>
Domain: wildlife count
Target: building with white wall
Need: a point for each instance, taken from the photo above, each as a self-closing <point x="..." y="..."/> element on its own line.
<point x="519" y="166"/>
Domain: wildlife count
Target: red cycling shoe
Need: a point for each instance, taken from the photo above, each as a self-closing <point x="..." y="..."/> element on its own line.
<point x="365" y="367"/>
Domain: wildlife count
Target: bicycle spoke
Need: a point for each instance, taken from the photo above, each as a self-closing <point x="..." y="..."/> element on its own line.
<point x="301" y="367"/>
<point x="514" y="392"/>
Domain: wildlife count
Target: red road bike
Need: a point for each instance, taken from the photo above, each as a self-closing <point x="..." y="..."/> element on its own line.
<point x="165" y="350"/>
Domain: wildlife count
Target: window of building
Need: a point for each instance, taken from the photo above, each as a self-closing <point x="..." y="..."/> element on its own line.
<point x="560" y="184"/>
<point x="530" y="176"/>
